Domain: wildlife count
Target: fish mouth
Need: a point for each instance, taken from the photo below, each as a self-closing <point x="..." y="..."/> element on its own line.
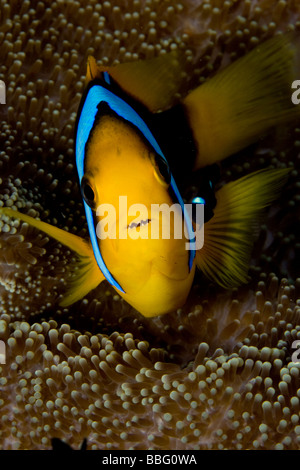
<point x="139" y="224"/>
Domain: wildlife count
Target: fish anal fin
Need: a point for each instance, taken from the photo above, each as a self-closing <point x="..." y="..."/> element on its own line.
<point x="86" y="275"/>
<point x="229" y="235"/>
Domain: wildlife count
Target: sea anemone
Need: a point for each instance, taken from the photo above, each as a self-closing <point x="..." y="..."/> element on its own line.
<point x="119" y="393"/>
<point x="216" y="374"/>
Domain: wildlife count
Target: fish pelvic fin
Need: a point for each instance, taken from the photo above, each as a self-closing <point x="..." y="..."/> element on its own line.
<point x="86" y="274"/>
<point x="229" y="235"/>
<point x="245" y="100"/>
<point x="154" y="82"/>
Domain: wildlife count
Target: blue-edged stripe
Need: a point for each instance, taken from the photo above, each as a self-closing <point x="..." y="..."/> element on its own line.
<point x="94" y="96"/>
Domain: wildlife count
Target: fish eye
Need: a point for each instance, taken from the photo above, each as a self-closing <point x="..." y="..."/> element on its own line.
<point x="162" y="168"/>
<point x="88" y="193"/>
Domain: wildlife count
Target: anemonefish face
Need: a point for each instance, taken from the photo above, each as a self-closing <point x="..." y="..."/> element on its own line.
<point x="123" y="181"/>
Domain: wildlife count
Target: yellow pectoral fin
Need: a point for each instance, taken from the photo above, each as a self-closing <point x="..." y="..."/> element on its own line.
<point x="86" y="275"/>
<point x="229" y="235"/>
<point x="243" y="101"/>
<point x="154" y="82"/>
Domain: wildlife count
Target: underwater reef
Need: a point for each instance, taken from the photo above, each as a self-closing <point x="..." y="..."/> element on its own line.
<point x="217" y="373"/>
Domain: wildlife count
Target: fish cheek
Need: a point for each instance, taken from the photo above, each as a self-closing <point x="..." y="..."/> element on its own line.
<point x="172" y="259"/>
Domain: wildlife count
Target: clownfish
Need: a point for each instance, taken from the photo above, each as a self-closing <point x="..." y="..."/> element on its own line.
<point x="133" y="139"/>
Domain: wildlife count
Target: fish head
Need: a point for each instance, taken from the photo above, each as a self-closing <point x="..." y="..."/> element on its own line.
<point x="135" y="218"/>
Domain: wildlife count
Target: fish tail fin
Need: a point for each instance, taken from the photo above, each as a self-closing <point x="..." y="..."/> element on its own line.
<point x="245" y="100"/>
<point x="229" y="235"/>
<point x="86" y="275"/>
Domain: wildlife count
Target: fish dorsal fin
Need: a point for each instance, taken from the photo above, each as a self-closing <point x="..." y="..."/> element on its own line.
<point x="153" y="82"/>
<point x="86" y="274"/>
<point x="92" y="70"/>
<point x="229" y="235"/>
